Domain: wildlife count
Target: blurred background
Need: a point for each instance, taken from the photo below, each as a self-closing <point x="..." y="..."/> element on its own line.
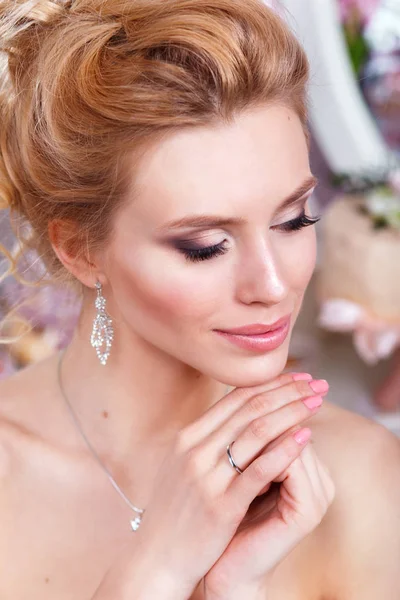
<point x="348" y="331"/>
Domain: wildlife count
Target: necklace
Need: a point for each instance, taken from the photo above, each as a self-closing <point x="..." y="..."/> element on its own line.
<point x="135" y="523"/>
<point x="137" y="520"/>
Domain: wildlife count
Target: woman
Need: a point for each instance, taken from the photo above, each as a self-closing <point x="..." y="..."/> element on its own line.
<point x="158" y="151"/>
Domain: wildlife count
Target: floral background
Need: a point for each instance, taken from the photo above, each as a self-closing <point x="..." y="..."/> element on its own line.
<point x="372" y="31"/>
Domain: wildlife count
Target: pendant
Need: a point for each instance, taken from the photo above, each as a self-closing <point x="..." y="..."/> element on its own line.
<point x="135" y="523"/>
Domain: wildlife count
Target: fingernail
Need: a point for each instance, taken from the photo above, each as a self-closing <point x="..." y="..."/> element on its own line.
<point x="313" y="401"/>
<point x="302" y="436"/>
<point x="319" y="386"/>
<point x="302" y="377"/>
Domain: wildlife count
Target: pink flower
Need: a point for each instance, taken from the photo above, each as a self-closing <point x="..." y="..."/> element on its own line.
<point x="364" y="8"/>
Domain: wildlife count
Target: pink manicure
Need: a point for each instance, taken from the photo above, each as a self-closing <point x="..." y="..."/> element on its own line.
<point x="313" y="402"/>
<point x="302" y="377"/>
<point x="302" y="436"/>
<point x="319" y="386"/>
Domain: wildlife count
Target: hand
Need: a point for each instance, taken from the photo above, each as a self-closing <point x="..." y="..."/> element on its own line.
<point x="200" y="500"/>
<point x="271" y="529"/>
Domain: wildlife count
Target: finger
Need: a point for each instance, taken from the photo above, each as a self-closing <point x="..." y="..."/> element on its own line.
<point x="296" y="493"/>
<point x="251" y="441"/>
<point x="277" y="441"/>
<point x="259" y="406"/>
<point x="262" y="404"/>
<point x="264" y="469"/>
<point x="320" y="481"/>
<point x="295" y="510"/>
<point x="319" y="496"/>
<point x="308" y="460"/>
<point x="320" y="493"/>
<point x="229" y="404"/>
<point x="273" y="444"/>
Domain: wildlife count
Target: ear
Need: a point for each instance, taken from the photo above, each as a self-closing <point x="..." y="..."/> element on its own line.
<point x="70" y="244"/>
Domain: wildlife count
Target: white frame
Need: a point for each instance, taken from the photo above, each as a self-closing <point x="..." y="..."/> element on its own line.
<point x="342" y="123"/>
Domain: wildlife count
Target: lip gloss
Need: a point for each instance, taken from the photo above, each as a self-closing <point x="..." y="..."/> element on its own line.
<point x="261" y="342"/>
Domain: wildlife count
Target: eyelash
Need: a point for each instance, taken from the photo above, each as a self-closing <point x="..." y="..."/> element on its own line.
<point x="198" y="254"/>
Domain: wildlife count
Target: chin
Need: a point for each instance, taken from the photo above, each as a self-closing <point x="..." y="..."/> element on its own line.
<point x="253" y="371"/>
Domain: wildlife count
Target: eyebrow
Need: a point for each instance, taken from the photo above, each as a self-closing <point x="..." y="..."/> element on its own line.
<point x="216" y="221"/>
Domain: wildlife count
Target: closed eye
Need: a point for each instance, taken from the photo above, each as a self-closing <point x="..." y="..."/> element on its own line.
<point x="199" y="254"/>
<point x="298" y="223"/>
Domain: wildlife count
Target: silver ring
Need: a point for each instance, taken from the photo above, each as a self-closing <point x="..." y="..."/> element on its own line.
<point x="234" y="465"/>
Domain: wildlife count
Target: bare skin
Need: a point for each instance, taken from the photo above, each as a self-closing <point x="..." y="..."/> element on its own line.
<point x="387" y="396"/>
<point x="62" y="522"/>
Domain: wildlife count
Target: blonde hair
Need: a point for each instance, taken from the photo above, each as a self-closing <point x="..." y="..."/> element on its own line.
<point x="83" y="83"/>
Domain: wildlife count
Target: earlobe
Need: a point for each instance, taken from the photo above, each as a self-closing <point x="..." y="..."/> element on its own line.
<point x="71" y="248"/>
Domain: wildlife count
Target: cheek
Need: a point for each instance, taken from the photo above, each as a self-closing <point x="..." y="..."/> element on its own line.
<point x="306" y="264"/>
<point x="304" y="270"/>
<point x="154" y="289"/>
<point x="297" y="258"/>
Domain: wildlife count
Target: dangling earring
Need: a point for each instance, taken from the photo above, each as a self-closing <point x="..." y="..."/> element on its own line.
<point x="102" y="332"/>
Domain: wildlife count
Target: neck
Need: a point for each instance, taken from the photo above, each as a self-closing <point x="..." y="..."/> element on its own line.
<point x="135" y="404"/>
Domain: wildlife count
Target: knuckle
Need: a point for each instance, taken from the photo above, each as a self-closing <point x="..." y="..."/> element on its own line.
<point x="284" y="379"/>
<point x="297" y="410"/>
<point x="300" y="388"/>
<point x="259" y="469"/>
<point x="194" y="463"/>
<point x="258" y="404"/>
<point x="289" y="449"/>
<point x="258" y="428"/>
<point x="182" y="442"/>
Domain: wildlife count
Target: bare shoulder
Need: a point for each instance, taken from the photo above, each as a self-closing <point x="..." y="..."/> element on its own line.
<point x="343" y="437"/>
<point x="30" y="415"/>
<point x="27" y="398"/>
<point x="361" y="530"/>
<point x="20" y="412"/>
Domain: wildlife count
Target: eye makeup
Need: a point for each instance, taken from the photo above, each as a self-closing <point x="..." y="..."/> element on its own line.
<point x="196" y="254"/>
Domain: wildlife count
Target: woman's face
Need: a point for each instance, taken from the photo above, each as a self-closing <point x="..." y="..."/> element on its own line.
<point x="258" y="269"/>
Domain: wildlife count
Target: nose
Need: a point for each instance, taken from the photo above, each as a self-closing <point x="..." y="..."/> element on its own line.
<point x="260" y="277"/>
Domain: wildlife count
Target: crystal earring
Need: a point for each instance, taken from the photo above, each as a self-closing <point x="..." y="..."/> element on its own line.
<point x="102" y="332"/>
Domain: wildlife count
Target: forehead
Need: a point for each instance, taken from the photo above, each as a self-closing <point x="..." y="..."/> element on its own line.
<point x="262" y="153"/>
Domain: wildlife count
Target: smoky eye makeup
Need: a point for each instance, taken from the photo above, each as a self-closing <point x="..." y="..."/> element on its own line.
<point x="195" y="251"/>
<point x="199" y="253"/>
<point x="298" y="223"/>
<point x="195" y="254"/>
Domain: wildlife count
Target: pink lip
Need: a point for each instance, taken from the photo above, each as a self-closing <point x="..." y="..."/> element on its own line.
<point x="256" y="328"/>
<point x="266" y="340"/>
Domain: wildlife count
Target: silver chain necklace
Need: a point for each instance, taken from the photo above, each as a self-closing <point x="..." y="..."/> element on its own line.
<point x="137" y="520"/>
